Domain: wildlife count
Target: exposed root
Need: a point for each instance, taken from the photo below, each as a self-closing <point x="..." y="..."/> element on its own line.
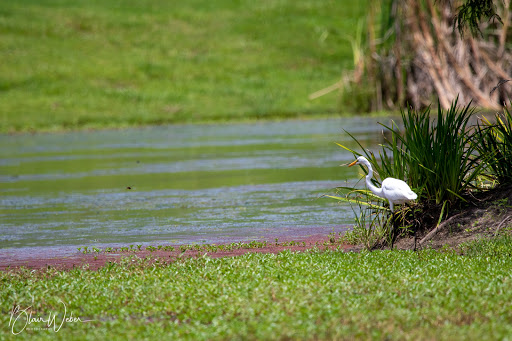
<point x="432" y="233"/>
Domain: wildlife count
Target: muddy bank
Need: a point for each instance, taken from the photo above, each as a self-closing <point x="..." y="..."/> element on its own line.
<point x="464" y="226"/>
<point x="94" y="261"/>
<point x="484" y="214"/>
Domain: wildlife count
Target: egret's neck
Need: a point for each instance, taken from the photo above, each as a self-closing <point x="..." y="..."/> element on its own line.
<point x="377" y="191"/>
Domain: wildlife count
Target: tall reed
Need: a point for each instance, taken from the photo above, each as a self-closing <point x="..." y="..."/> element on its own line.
<point x="441" y="160"/>
<point x="494" y="143"/>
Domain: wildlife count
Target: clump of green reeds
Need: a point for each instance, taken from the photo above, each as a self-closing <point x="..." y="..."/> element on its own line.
<point x="440" y="157"/>
<point x="494" y="142"/>
<point x="434" y="154"/>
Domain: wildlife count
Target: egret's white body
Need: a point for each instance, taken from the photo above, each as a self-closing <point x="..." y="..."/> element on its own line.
<point x="394" y="190"/>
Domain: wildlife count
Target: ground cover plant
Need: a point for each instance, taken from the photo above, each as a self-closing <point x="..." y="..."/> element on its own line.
<point x="311" y="295"/>
<point x="193" y="247"/>
<point x="71" y="64"/>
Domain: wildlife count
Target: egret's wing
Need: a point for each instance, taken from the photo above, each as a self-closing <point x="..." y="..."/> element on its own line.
<point x="397" y="190"/>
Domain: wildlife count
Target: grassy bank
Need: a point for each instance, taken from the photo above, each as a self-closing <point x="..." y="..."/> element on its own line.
<point x="72" y="64"/>
<point x="312" y="295"/>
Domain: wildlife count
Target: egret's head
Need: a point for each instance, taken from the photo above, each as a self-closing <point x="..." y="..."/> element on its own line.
<point x="359" y="160"/>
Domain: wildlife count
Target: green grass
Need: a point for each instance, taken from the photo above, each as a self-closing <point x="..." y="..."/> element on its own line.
<point x="494" y="247"/>
<point x="311" y="295"/>
<point x="72" y="64"/>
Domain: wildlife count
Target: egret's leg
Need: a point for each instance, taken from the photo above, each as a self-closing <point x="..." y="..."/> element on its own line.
<point x="415" y="228"/>
<point x="415" y="240"/>
<point x="393" y="226"/>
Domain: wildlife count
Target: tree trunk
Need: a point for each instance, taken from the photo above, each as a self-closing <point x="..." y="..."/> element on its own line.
<point x="439" y="63"/>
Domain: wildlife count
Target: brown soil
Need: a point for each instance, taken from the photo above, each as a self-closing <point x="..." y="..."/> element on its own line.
<point x="485" y="215"/>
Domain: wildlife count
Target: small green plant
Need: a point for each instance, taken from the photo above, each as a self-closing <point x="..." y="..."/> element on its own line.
<point x="332" y="237"/>
<point x="371" y="228"/>
<point x="372" y="222"/>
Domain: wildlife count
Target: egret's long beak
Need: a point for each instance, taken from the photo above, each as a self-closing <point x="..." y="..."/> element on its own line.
<point x="353" y="163"/>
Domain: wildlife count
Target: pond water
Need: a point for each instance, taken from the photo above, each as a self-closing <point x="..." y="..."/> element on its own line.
<point x="177" y="184"/>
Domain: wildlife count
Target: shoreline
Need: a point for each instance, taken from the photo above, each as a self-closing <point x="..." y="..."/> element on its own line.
<point x="52" y="258"/>
<point x="227" y="121"/>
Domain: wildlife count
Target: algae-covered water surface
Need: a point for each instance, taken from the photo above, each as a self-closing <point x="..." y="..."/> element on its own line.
<point x="175" y="184"/>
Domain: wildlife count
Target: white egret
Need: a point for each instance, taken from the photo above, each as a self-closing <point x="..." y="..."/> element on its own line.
<point x="394" y="190"/>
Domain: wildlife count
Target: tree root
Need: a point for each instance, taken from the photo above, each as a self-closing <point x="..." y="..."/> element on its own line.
<point x="432" y="233"/>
